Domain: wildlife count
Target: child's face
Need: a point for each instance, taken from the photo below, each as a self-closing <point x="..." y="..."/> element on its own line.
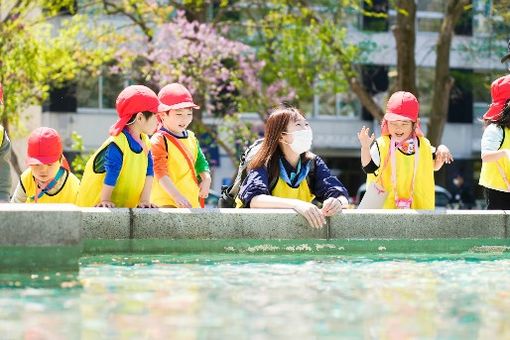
<point x="177" y="121"/>
<point x="45" y="172"/>
<point x="401" y="130"/>
<point x="148" y="125"/>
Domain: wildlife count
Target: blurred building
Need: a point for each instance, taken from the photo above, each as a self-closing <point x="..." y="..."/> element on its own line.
<point x="88" y="105"/>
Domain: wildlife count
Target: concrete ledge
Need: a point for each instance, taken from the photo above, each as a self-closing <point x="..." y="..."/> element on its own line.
<point x="40" y="225"/>
<point x="412" y="224"/>
<point x="107" y="224"/>
<point x="222" y="224"/>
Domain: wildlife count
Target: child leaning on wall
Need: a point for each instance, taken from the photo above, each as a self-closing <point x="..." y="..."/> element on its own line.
<point x="120" y="172"/>
<point x="5" y="151"/>
<point x="401" y="163"/>
<point x="48" y="178"/>
<point x="182" y="172"/>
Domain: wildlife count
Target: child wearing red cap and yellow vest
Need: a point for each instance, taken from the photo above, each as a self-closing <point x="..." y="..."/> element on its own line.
<point x="495" y="147"/>
<point x="182" y="172"/>
<point x="48" y="178"/>
<point x="402" y="155"/>
<point x="120" y="172"/>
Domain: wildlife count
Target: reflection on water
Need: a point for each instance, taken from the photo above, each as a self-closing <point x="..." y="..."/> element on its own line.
<point x="212" y="296"/>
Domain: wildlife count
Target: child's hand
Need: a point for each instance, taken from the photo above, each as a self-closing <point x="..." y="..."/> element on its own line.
<point x="443" y="154"/>
<point x="204" y="187"/>
<point x="181" y="201"/>
<point x="105" y="204"/>
<point x="364" y="139"/>
<point x="145" y="204"/>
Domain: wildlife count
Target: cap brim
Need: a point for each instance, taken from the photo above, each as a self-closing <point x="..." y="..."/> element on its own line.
<point x="494" y="111"/>
<point x="505" y="58"/>
<point x="392" y="117"/>
<point x="184" y="105"/>
<point x="116" y="128"/>
<point x="40" y="160"/>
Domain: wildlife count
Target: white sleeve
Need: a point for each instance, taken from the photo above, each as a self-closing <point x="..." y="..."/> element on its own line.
<point x="374" y="153"/>
<point x="492" y="138"/>
<point x="19" y="195"/>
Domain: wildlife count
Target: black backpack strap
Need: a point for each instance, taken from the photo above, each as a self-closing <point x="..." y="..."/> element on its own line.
<point x="229" y="193"/>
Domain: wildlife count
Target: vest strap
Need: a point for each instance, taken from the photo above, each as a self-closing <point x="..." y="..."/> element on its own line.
<point x="39" y="192"/>
<point x="187" y="155"/>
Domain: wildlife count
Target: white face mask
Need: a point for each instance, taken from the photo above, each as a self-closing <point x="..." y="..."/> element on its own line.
<point x="302" y="140"/>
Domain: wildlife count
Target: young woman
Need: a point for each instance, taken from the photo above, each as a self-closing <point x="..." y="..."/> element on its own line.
<point x="285" y="174"/>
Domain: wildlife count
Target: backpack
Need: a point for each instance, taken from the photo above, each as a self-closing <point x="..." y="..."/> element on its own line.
<point x="229" y="192"/>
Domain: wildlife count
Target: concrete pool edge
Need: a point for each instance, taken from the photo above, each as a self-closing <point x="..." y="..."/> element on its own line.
<point x="46" y="225"/>
<point x="286" y="224"/>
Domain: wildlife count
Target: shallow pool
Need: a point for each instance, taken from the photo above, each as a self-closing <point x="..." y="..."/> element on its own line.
<point x="267" y="296"/>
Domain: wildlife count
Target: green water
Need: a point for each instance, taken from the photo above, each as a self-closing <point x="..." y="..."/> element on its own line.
<point x="211" y="296"/>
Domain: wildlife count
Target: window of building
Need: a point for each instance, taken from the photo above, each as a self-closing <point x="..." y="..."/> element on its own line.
<point x="329" y="104"/>
<point x="425" y="83"/>
<point x="62" y="99"/>
<point x="460" y="106"/>
<point x="375" y="16"/>
<point x="99" y="92"/>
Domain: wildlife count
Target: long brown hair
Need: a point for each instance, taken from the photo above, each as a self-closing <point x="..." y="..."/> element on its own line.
<point x="270" y="151"/>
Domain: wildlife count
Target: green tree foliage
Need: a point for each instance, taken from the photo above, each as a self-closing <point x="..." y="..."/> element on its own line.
<point x="41" y="48"/>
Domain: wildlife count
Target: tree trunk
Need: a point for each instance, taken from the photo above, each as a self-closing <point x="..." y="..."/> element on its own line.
<point x="405" y="38"/>
<point x="366" y="99"/>
<point x="443" y="82"/>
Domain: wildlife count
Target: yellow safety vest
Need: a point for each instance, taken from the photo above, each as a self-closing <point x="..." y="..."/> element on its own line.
<point x="282" y="189"/>
<point x="179" y="172"/>
<point x="302" y="192"/>
<point x="66" y="194"/>
<point x="2" y="133"/>
<point x="424" y="187"/>
<point x="490" y="176"/>
<point x="131" y="180"/>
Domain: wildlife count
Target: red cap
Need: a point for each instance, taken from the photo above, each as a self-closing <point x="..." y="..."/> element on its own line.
<point x="1" y="94"/>
<point x="402" y="106"/>
<point x="44" y="146"/>
<point x="177" y="97"/>
<point x="500" y="92"/>
<point x="134" y="99"/>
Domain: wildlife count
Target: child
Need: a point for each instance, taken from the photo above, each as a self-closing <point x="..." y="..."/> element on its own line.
<point x="5" y="151"/>
<point x="285" y="174"/>
<point x="496" y="147"/>
<point x="120" y="172"/>
<point x="177" y="155"/>
<point x="48" y="179"/>
<point x="401" y="156"/>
